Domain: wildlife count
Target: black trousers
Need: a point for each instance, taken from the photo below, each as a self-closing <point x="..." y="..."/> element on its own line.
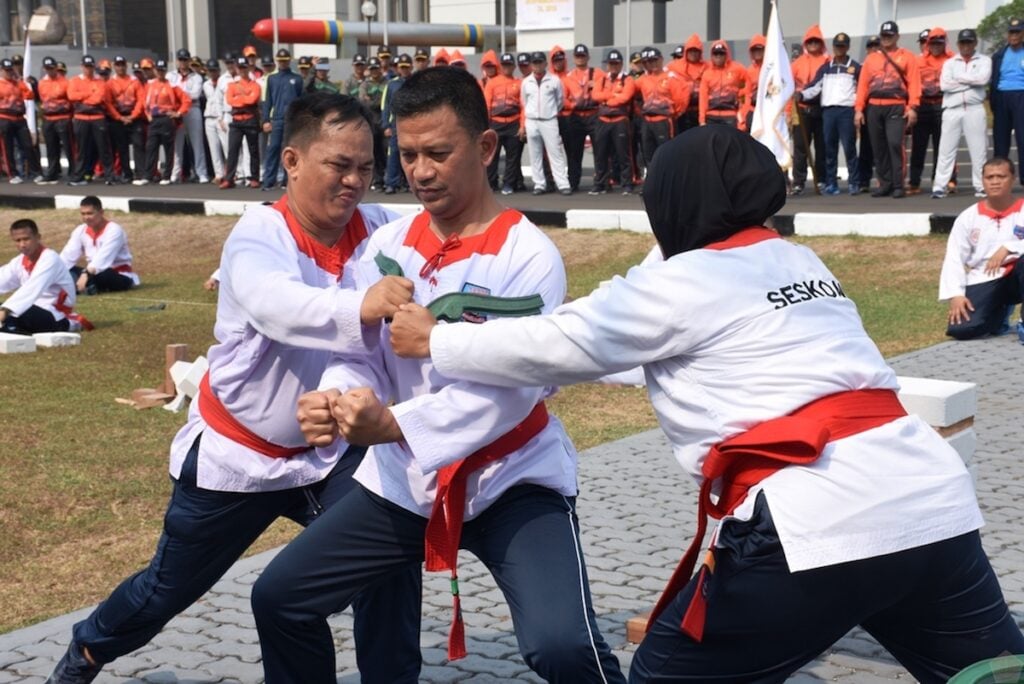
<point x="125" y="138"/>
<point x="16" y="134"/>
<point x="655" y="134"/>
<point x="508" y="140"/>
<point x="160" y="134"/>
<point x="990" y="301"/>
<point x="238" y="130"/>
<point x="33" y="320"/>
<point x="688" y="119"/>
<point x="613" y="151"/>
<point x="886" y="126"/>
<point x="104" y="281"/>
<point x="92" y="139"/>
<point x="57" y="136"/>
<point x="1007" y="117"/>
<point x="578" y="127"/>
<point x="865" y="158"/>
<point x="813" y="124"/>
<point x="927" y="129"/>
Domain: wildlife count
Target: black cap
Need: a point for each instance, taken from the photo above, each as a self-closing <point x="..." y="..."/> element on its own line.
<point x="359" y="58"/>
<point x="136" y="66"/>
<point x="404" y="59"/>
<point x="719" y="48"/>
<point x="652" y="53"/>
<point x="537" y="56"/>
<point x="922" y="37"/>
<point x="87" y="60"/>
<point x="421" y="53"/>
<point x="284" y="55"/>
<point x="967" y="36"/>
<point x="17" y="59"/>
<point x="305" y="61"/>
<point x="184" y="54"/>
<point x="523" y="58"/>
<point x="842" y="40"/>
<point x="874" y="41"/>
<point x="558" y="54"/>
<point x="242" y="62"/>
<point x="161" y="65"/>
<point x="384" y="51"/>
<point x="508" y="58"/>
<point x="581" y="50"/>
<point x="49" y="63"/>
<point x="1015" y="25"/>
<point x="61" y="66"/>
<point x="636" y="57"/>
<point x="6" y="64"/>
<point x="267" y="60"/>
<point x="614" y="56"/>
<point x="374" y="63"/>
<point x="889" y="28"/>
<point x="120" y="60"/>
<point x="678" y="51"/>
<point x="213" y="64"/>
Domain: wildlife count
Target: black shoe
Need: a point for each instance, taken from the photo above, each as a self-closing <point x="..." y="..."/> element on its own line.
<point x="627" y="189"/>
<point x="597" y="191"/>
<point x="73" y="668"/>
<point x="899" y="193"/>
<point x="796" y="190"/>
<point x="881" y="192"/>
<point x="78" y="183"/>
<point x="566" y="192"/>
<point x="389" y="191"/>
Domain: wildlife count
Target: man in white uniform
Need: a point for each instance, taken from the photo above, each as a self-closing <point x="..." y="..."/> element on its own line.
<point x="286" y="301"/>
<point x="214" y="121"/>
<point x="981" y="276"/>
<point x="192" y="122"/>
<point x="42" y="292"/>
<point x="104" y="244"/>
<point x="837" y="508"/>
<point x="451" y="452"/>
<point x="543" y="95"/>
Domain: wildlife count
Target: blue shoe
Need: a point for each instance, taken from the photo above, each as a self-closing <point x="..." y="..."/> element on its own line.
<point x="831" y="190"/>
<point x="73" y="668"/>
<point x="854" y="189"/>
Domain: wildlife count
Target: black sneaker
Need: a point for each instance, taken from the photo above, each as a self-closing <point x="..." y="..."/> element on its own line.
<point x="539" y="191"/>
<point x="73" y="668"/>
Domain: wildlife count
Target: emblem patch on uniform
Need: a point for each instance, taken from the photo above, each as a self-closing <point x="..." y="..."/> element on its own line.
<point x="1018" y="232"/>
<point x="974" y="235"/>
<point x="474" y="316"/>
<point x="476" y="289"/>
<point x="850" y="70"/>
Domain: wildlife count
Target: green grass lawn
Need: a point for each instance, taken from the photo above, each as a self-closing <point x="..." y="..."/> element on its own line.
<point x="85" y="478"/>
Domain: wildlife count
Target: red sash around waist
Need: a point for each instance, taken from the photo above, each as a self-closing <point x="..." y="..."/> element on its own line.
<point x="444" y="527"/>
<point x="62" y="305"/>
<point x="220" y="419"/>
<point x="742" y="461"/>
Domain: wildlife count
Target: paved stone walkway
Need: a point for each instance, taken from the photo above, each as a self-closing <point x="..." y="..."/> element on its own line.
<point x="637" y="512"/>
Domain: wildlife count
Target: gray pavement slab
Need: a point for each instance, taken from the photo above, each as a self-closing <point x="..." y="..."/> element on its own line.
<point x="637" y="511"/>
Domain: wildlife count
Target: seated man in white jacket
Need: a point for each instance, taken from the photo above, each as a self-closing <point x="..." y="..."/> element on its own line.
<point x="838" y="509"/>
<point x="104" y="244"/>
<point x="42" y="290"/>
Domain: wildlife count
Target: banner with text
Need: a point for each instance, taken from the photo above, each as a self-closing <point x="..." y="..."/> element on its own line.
<point x="544" y="14"/>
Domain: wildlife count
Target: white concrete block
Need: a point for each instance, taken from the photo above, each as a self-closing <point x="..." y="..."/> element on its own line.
<point x="178" y="372"/>
<point x="175" y="404"/>
<point x="16" y="344"/>
<point x="57" y="339"/>
<point x="940" y="403"/>
<point x="75" y="201"/>
<point x="965" y="442"/>
<point x="873" y="225"/>
<point x="189" y="385"/>
<point x="227" y="207"/>
<point x="635" y="221"/>
<point x="597" y="219"/>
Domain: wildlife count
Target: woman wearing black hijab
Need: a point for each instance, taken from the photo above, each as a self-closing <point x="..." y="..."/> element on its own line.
<point x="837" y="508"/>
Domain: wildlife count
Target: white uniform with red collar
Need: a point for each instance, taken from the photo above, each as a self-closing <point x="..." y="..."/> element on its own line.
<point x="44" y="282"/>
<point x="445" y="421"/>
<point x="285" y="303"/>
<point x="724" y="352"/>
<point x="105" y="249"/>
<point x="977" y="234"/>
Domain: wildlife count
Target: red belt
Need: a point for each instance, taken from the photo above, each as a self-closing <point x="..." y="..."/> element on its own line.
<point x="69" y="313"/>
<point x="444" y="528"/>
<point x="220" y="419"/>
<point x="743" y="460"/>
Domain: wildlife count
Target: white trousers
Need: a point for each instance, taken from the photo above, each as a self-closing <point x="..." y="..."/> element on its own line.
<point x="541" y="137"/>
<point x="218" y="142"/>
<point x="192" y="125"/>
<point x="971" y="122"/>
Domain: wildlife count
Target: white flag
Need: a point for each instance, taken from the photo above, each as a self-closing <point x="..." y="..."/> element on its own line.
<point x="26" y="71"/>
<point x="774" y="89"/>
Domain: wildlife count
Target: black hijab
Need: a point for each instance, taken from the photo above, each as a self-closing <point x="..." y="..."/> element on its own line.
<point x="708" y="184"/>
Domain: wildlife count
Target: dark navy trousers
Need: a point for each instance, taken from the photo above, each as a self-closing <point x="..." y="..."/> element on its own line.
<point x="936" y="609"/>
<point x="837" y="124"/>
<point x="206" y="531"/>
<point x="1007" y="118"/>
<point x="990" y="301"/>
<point x="528" y="539"/>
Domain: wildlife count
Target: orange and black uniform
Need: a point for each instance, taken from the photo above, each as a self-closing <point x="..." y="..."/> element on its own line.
<point x="243" y="96"/>
<point x="665" y="96"/>
<point x="13" y="127"/>
<point x="929" y="112"/>
<point x="504" y="108"/>
<point x="56" y="110"/>
<point x="805" y="68"/>
<point x="721" y="90"/>
<point x="613" y="141"/>
<point x="753" y="76"/>
<point x="160" y="100"/>
<point x="91" y="104"/>
<point x="126" y="101"/>
<point x="580" y="84"/>
<point x="691" y="73"/>
<point x="889" y="86"/>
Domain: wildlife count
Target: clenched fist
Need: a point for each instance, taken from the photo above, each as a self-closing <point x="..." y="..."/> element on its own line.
<point x="315" y="418"/>
<point x="363" y="420"/>
<point x="383" y="299"/>
<point x="410" y="331"/>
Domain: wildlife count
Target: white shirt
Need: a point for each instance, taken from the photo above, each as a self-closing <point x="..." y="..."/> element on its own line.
<point x="977" y="234"/>
<point x="964" y="83"/>
<point x="837" y="84"/>
<point x="191" y="84"/>
<point x="47" y="283"/>
<point x="444" y="421"/>
<point x="542" y="100"/>
<point x="215" y="94"/>
<point x="722" y="354"/>
<point x="107" y="249"/>
<point x="280" y="313"/>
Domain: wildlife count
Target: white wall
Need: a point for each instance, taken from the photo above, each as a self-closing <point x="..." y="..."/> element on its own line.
<point x="865" y="17"/>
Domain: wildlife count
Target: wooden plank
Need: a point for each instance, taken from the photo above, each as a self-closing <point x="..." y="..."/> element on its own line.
<point x="173" y="354"/>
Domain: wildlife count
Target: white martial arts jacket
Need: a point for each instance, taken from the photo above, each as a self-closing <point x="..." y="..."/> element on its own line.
<point x="444" y="421"/>
<point x="103" y="250"/>
<point x="976" y="235"/>
<point x="215" y="94"/>
<point x="45" y="283"/>
<point x="281" y="311"/>
<point x="963" y="83"/>
<point x="542" y="100"/>
<point x="730" y="339"/>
